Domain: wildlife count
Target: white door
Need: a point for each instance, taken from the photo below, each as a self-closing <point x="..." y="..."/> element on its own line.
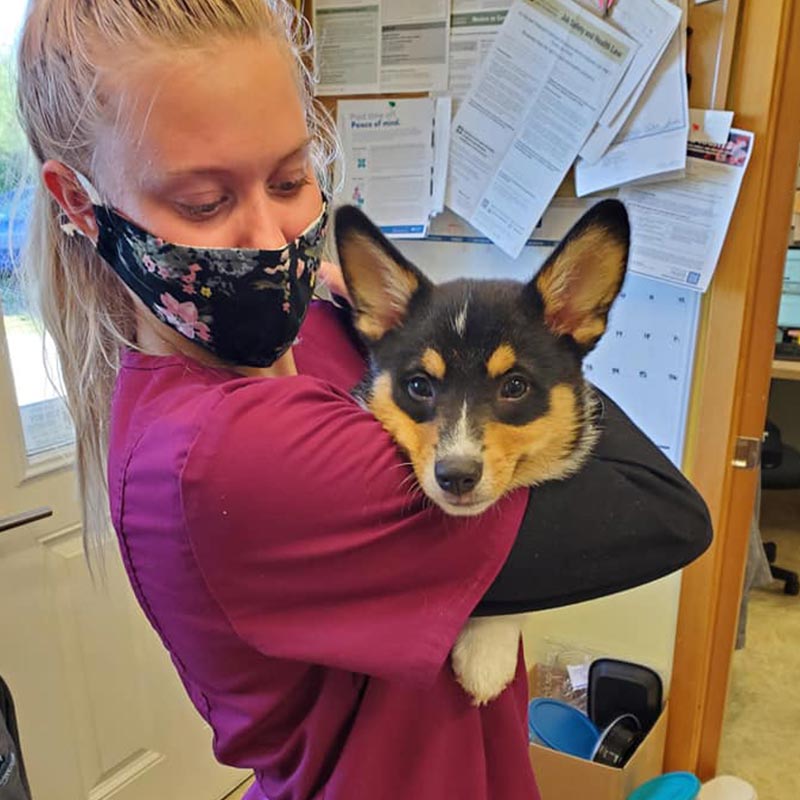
<point x="101" y="711"/>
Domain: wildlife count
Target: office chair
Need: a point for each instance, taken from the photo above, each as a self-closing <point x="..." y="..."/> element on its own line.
<point x="13" y="780"/>
<point x="780" y="469"/>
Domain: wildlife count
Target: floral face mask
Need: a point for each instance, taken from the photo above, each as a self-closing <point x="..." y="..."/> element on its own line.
<point x="243" y="305"/>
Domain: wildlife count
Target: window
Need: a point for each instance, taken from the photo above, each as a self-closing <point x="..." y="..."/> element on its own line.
<point x="45" y="423"/>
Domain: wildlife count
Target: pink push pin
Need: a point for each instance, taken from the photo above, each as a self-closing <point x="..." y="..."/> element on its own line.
<point x="605" y="6"/>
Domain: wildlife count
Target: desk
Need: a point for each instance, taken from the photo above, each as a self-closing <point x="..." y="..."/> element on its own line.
<point x="785" y="369"/>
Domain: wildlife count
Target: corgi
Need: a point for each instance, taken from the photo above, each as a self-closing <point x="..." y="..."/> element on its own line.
<point x="480" y="382"/>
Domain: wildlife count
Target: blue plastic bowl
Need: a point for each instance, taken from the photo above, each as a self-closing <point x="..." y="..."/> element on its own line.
<point x="672" y="786"/>
<point x="561" y="727"/>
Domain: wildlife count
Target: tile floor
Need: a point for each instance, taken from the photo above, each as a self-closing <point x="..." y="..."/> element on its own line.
<point x="761" y="732"/>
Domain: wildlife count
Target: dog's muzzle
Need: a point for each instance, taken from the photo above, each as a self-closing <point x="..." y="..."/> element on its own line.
<point x="457" y="475"/>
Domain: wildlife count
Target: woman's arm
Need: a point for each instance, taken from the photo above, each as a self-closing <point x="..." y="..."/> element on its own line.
<point x="627" y="518"/>
<point x="302" y="520"/>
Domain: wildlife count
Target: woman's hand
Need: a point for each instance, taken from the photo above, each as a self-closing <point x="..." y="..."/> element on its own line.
<point x="331" y="275"/>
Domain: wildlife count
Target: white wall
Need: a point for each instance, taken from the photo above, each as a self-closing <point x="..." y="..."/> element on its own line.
<point x="638" y="625"/>
<point x="446" y="261"/>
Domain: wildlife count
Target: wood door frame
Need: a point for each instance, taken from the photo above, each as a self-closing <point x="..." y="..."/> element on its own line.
<point x="732" y="373"/>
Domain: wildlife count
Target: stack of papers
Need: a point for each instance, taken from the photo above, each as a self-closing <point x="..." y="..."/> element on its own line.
<point x="536" y="87"/>
<point x="651" y="23"/>
<point x="551" y="72"/>
<point x="395" y="162"/>
<point x="647" y="139"/>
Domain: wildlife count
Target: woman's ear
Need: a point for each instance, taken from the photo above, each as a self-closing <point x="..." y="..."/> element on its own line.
<point x="380" y="281"/>
<point x="66" y="190"/>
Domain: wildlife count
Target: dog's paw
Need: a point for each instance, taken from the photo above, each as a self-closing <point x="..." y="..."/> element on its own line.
<point x="484" y="657"/>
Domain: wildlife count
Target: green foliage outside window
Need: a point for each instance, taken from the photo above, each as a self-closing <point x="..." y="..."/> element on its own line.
<point x="12" y="141"/>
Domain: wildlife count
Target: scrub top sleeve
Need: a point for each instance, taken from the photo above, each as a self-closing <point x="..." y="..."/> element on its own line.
<point x="627" y="518"/>
<point x="305" y="525"/>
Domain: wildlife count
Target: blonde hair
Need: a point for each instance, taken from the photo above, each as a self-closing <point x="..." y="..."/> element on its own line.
<point x="80" y="300"/>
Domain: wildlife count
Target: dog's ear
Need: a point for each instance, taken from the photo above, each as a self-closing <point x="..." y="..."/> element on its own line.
<point x="381" y="282"/>
<point x="583" y="276"/>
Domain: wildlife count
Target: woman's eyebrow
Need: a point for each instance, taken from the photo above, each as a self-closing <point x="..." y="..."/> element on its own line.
<point x="219" y="170"/>
<point x="298" y="150"/>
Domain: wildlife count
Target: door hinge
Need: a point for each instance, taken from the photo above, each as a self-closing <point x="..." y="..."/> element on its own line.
<point x="748" y="452"/>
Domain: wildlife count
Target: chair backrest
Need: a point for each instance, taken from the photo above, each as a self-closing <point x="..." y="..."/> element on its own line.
<point x="780" y="462"/>
<point x="13" y="780"/>
<point x="771" y="447"/>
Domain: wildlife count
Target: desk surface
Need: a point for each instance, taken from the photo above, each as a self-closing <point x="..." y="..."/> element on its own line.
<point x="785" y="369"/>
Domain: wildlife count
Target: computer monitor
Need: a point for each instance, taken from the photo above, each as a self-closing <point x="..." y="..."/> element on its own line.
<point x="789" y="311"/>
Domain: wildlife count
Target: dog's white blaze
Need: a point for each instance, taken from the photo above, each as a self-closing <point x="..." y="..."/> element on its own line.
<point x="459" y="441"/>
<point x="460" y="320"/>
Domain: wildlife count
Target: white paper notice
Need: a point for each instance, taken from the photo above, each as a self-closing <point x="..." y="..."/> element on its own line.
<point x="678" y="227"/>
<point x="370" y="46"/>
<point x="347" y="49"/>
<point x="414" y="37"/>
<point x="443" y="113"/>
<point x="539" y="93"/>
<point x="653" y="139"/>
<point x="473" y="27"/>
<point x="389" y="161"/>
<point x="709" y="125"/>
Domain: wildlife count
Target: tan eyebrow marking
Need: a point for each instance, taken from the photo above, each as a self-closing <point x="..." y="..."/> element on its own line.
<point x="434" y="364"/>
<point x="501" y="360"/>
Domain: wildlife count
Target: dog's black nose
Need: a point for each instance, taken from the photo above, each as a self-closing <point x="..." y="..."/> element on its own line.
<point x="457" y="475"/>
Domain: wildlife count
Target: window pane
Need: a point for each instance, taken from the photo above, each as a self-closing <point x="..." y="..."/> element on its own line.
<point x="45" y="422"/>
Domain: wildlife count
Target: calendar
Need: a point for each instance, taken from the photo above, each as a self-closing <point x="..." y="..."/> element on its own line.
<point x="645" y="360"/>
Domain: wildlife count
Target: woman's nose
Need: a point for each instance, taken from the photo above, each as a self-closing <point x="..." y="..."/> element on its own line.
<point x="261" y="225"/>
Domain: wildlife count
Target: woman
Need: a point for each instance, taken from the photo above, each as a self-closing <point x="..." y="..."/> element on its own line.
<point x="308" y="601"/>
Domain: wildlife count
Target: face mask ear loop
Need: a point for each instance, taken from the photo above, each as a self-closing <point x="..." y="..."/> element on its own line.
<point x="87" y="187"/>
<point x="69" y="228"/>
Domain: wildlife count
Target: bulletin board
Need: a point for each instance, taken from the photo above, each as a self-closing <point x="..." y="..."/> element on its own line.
<point x="644" y="361"/>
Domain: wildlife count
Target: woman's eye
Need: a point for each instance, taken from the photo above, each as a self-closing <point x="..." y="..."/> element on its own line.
<point x="202" y="210"/>
<point x="419" y="387"/>
<point x="289" y="187"/>
<point x="514" y="387"/>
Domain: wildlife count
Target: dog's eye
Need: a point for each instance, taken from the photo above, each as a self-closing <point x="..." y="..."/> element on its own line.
<point x="420" y="387"/>
<point x="514" y="387"/>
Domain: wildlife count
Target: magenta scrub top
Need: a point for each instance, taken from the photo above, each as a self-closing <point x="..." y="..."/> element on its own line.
<point x="308" y="599"/>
